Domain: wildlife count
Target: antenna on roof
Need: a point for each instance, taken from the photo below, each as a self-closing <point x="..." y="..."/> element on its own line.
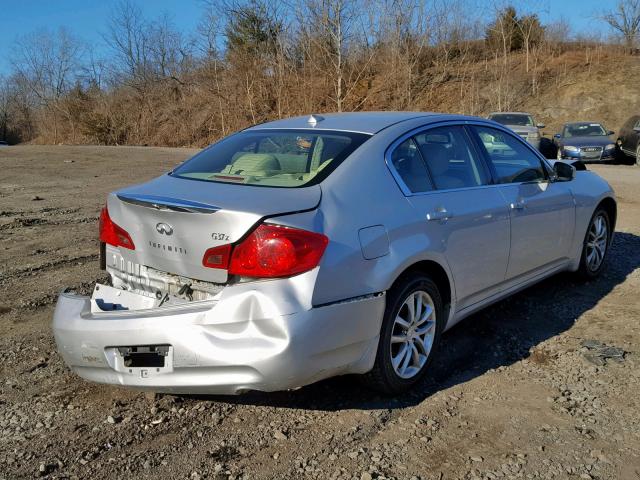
<point x="314" y="119"/>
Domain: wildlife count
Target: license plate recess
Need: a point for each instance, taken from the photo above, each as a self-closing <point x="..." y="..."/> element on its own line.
<point x="144" y="356"/>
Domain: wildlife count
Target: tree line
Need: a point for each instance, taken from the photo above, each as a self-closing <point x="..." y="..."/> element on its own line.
<point x="250" y="61"/>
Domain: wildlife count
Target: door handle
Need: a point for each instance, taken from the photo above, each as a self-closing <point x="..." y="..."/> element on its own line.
<point x="441" y="215"/>
<point x="517" y="205"/>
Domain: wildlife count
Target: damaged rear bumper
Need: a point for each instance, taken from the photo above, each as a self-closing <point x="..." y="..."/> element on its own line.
<point x="244" y="340"/>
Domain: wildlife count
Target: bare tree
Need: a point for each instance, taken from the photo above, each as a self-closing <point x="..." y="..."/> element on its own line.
<point x="403" y="33"/>
<point x="332" y="28"/>
<point x="210" y="31"/>
<point x="4" y="108"/>
<point x="47" y="64"/>
<point x="531" y="32"/>
<point x="558" y="31"/>
<point x="92" y="71"/>
<point x="169" y="53"/>
<point x="625" y="18"/>
<point x="128" y="39"/>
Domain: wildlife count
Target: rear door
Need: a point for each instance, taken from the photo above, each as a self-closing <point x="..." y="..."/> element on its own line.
<point x="447" y="184"/>
<point x="542" y="212"/>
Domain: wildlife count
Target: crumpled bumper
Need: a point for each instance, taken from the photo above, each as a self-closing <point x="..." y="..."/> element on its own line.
<point x="264" y="337"/>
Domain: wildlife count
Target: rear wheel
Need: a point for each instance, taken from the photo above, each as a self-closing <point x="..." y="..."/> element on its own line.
<point x="596" y="245"/>
<point x="411" y="328"/>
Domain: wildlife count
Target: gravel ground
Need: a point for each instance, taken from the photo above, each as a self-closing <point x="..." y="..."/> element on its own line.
<point x="520" y="390"/>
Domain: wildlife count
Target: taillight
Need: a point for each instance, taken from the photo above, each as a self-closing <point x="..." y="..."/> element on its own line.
<point x="217" y="257"/>
<point x="270" y="251"/>
<point x="113" y="234"/>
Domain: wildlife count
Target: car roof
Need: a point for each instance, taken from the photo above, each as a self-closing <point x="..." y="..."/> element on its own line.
<point x="362" y="122"/>
<point x="511" y="113"/>
<point x="583" y="123"/>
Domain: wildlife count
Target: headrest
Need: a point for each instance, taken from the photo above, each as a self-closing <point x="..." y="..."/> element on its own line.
<point x="437" y="157"/>
<point x="254" y="162"/>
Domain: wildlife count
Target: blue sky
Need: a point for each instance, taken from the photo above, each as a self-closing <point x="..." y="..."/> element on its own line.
<point x="87" y="18"/>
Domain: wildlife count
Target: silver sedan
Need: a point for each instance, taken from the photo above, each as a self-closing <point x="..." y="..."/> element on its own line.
<point x="317" y="246"/>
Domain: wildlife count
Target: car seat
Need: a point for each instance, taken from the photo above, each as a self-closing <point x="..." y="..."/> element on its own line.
<point x="439" y="160"/>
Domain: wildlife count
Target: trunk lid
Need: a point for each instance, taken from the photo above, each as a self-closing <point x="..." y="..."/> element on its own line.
<point x="173" y="221"/>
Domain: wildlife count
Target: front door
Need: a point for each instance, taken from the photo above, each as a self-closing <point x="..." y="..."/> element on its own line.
<point x="542" y="212"/>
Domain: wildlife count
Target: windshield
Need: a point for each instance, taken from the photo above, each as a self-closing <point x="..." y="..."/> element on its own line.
<point x="513" y="119"/>
<point x="273" y="158"/>
<point x="584" y="130"/>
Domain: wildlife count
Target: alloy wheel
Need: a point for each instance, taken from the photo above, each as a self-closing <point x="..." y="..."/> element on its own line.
<point x="597" y="242"/>
<point x="413" y="333"/>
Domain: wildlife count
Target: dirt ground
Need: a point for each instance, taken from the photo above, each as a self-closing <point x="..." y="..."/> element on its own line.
<point x="513" y="394"/>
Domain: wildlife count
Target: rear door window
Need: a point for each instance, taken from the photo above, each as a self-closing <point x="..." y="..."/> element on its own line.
<point x="408" y="162"/>
<point x="511" y="159"/>
<point x="275" y="158"/>
<point x="451" y="158"/>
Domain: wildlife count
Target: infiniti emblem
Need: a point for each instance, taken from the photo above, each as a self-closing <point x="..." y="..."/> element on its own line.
<point x="164" y="228"/>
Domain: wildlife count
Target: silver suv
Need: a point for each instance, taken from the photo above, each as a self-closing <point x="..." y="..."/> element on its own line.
<point x="521" y="123"/>
<point x="304" y="248"/>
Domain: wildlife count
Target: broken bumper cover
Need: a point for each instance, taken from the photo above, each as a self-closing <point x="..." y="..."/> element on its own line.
<point x="240" y="342"/>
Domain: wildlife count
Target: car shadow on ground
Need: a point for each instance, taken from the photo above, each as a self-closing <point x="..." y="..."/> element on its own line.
<point x="499" y="335"/>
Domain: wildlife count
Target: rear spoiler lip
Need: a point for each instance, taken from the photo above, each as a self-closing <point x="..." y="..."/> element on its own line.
<point x="160" y="202"/>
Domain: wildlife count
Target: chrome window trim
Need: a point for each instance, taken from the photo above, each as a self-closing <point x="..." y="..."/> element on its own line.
<point x="477" y="187"/>
<point x="482" y="123"/>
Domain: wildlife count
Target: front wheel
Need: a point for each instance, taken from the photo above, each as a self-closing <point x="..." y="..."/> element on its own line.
<point x="410" y="332"/>
<point x="596" y="245"/>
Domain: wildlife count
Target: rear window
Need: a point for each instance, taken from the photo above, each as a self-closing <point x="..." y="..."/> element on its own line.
<point x="273" y="158"/>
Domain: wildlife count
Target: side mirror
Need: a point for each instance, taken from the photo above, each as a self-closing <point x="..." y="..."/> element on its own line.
<point x="557" y="135"/>
<point x="540" y="125"/>
<point x="610" y="132"/>
<point x="564" y="171"/>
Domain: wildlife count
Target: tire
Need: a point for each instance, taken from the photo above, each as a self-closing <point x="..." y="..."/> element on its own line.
<point x="412" y="366"/>
<point x="637" y="159"/>
<point x="590" y="266"/>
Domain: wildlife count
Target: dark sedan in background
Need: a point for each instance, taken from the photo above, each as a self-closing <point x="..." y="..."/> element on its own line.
<point x="629" y="139"/>
<point x="586" y="141"/>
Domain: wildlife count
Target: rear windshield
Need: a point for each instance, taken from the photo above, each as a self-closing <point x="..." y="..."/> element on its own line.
<point x="512" y="119"/>
<point x="273" y="158"/>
